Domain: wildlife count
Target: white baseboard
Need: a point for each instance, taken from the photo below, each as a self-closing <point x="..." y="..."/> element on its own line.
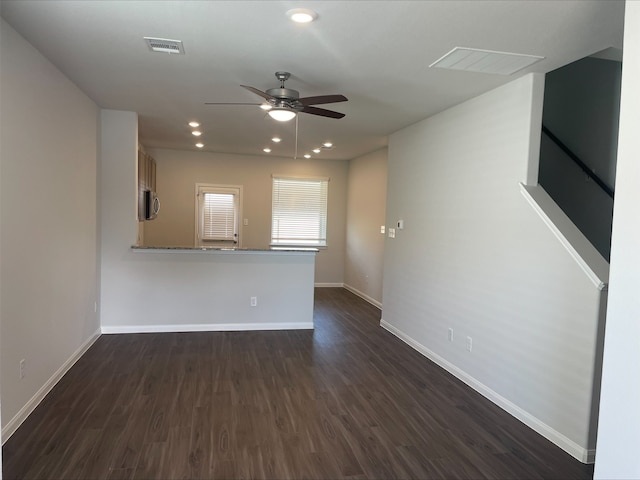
<point x="217" y="327"/>
<point x="582" y="454"/>
<point x="364" y="296"/>
<point x="331" y="285"/>
<point x="13" y="424"/>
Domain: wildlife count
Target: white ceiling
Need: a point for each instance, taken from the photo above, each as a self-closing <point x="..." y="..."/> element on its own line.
<point x="376" y="53"/>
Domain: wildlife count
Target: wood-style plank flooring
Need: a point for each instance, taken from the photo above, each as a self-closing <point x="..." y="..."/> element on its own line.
<point x="348" y="400"/>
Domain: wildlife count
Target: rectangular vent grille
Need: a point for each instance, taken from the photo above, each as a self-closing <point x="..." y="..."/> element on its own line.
<point x="485" y="61"/>
<point x="165" y="45"/>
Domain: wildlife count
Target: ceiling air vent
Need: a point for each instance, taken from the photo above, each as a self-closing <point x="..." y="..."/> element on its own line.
<point x="165" y="45"/>
<point x="485" y="61"/>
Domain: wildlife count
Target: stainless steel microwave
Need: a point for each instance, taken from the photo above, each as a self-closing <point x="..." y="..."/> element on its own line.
<point x="151" y="205"/>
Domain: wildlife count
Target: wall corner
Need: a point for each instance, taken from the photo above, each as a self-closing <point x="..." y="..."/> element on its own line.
<point x="535" y="128"/>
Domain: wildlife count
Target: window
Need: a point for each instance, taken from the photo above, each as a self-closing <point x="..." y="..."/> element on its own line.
<point x="218" y="211"/>
<point x="299" y="211"/>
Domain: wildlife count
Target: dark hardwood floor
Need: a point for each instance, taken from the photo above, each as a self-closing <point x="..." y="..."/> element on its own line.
<point x="348" y="400"/>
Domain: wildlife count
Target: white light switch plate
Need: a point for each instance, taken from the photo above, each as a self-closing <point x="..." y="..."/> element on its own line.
<point x="392" y="233"/>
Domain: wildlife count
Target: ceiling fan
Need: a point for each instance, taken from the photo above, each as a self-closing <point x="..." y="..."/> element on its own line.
<point x="283" y="104"/>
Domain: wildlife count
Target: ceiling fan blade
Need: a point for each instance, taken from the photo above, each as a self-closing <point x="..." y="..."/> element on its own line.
<point x="320" y="99"/>
<point x="230" y="103"/>
<point x="264" y="95"/>
<point x="322" y="112"/>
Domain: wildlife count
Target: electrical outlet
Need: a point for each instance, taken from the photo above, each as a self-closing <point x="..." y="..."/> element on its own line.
<point x="450" y="335"/>
<point x="254" y="301"/>
<point x="23" y="364"/>
<point x="469" y="343"/>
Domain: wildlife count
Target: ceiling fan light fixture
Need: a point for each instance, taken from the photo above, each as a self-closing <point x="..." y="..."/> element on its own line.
<point x="306" y="155"/>
<point x="199" y="145"/>
<point x="194" y="124"/>
<point x="282" y="114"/>
<point x="266" y="106"/>
<point x="197" y="133"/>
<point x="276" y="139"/>
<point x="266" y="150"/>
<point x="302" y="15"/>
<point x="327" y="144"/>
<point x="316" y="150"/>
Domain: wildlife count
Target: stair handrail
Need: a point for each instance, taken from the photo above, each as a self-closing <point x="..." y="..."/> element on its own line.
<point x="608" y="190"/>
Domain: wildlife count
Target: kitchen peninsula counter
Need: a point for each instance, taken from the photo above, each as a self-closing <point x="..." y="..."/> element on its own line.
<point x="182" y="289"/>
<point x="285" y="250"/>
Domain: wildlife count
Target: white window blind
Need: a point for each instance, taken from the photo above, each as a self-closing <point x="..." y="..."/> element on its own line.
<point x="219" y="217"/>
<point x="218" y="213"/>
<point x="299" y="211"/>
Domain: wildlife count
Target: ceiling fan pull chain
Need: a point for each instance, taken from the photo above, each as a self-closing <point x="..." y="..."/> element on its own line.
<point x="295" y="154"/>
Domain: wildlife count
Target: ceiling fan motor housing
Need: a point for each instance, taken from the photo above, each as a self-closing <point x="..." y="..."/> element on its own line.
<point x="284" y="98"/>
<point x="284" y="93"/>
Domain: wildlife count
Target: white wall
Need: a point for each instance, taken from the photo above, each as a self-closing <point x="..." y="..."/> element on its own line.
<point x="619" y="422"/>
<point x="1" y="92"/>
<point x="48" y="277"/>
<point x="366" y="202"/>
<point x="118" y="206"/>
<point x="178" y="171"/>
<point x="475" y="257"/>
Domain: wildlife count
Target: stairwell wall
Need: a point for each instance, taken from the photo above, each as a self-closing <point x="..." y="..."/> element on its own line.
<point x="619" y="422"/>
<point x="474" y="257"/>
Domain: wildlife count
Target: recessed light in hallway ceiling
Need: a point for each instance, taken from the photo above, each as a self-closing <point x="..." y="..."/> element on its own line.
<point x="302" y="15"/>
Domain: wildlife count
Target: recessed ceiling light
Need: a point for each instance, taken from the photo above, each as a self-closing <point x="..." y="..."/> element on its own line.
<point x="266" y="150"/>
<point x="197" y="133"/>
<point x="306" y="155"/>
<point x="199" y="145"/>
<point x="327" y="144"/>
<point x="194" y="124"/>
<point x="276" y="139"/>
<point x="302" y="15"/>
<point x="316" y="150"/>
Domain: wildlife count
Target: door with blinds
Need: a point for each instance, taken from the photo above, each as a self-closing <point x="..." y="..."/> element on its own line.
<point x="217" y="215"/>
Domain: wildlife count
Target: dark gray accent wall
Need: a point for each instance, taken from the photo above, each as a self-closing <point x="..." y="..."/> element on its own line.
<point x="581" y="108"/>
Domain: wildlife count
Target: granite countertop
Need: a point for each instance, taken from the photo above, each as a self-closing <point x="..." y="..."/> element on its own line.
<point x="226" y="249"/>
